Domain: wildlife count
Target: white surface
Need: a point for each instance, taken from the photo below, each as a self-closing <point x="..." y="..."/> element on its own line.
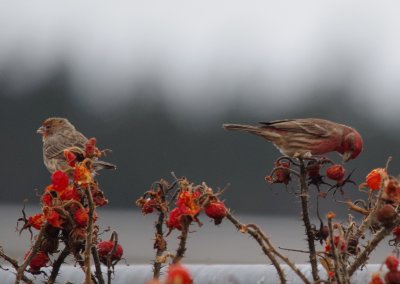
<point x="202" y="274"/>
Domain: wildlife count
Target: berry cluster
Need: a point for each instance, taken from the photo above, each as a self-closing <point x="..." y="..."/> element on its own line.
<point x="68" y="214"/>
<point x="392" y="276"/>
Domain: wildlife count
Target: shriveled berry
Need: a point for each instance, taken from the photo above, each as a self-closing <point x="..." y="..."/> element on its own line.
<point x="386" y="214"/>
<point x="396" y="232"/>
<point x="374" y="178"/>
<point x="392" y="277"/>
<point x="105" y="247"/>
<point x="392" y="262"/>
<point x="174" y="219"/>
<point x="313" y="168"/>
<point x="38" y="261"/>
<point x="148" y="206"/>
<point x="216" y="210"/>
<point x="281" y="173"/>
<point x="336" y="172"/>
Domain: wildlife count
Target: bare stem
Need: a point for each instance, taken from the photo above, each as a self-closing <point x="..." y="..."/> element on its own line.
<point x="114" y="238"/>
<point x="366" y="223"/>
<point x="277" y="253"/>
<point x="14" y="263"/>
<point x="97" y="265"/>
<point x="363" y="256"/>
<point x="334" y="253"/>
<point x="57" y="264"/>
<point x="81" y="263"/>
<point x="159" y="243"/>
<point x="185" y="222"/>
<point x="89" y="237"/>
<point x="304" y="195"/>
<point x="34" y="250"/>
<point x="252" y="232"/>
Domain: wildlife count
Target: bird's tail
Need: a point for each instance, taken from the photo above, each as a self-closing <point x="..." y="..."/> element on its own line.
<point x="99" y="165"/>
<point x="262" y="131"/>
<point x="241" y="127"/>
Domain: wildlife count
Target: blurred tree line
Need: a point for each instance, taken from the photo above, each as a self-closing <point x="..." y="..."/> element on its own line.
<point x="148" y="143"/>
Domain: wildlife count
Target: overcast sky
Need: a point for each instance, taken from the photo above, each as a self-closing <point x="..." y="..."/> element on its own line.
<point x="205" y="53"/>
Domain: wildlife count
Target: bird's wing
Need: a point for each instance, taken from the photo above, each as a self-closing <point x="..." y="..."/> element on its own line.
<point x="314" y="127"/>
<point x="55" y="148"/>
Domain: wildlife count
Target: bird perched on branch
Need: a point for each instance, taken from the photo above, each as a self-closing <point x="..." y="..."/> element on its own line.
<point x="303" y="138"/>
<point x="60" y="135"/>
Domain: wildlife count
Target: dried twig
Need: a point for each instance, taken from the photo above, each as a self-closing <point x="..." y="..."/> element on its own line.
<point x="57" y="265"/>
<point x="96" y="260"/>
<point x="363" y="256"/>
<point x="14" y="263"/>
<point x="114" y="239"/>
<point x="244" y="229"/>
<point x="304" y="195"/>
<point x="159" y="242"/>
<point x="278" y="254"/>
<point x="185" y="222"/>
<point x="34" y="250"/>
<point x="89" y="236"/>
<point x="335" y="254"/>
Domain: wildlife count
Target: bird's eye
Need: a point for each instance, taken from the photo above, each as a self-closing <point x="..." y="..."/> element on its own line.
<point x="47" y="126"/>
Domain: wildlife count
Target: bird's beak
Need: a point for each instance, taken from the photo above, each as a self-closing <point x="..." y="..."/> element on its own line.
<point x="40" y="130"/>
<point x="346" y="156"/>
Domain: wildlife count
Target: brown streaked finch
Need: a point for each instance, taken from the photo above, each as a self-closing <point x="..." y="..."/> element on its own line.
<point x="59" y="135"/>
<point x="306" y="137"/>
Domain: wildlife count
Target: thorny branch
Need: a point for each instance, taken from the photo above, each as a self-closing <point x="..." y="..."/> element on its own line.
<point x="185" y="222"/>
<point x="96" y="260"/>
<point x="34" y="250"/>
<point x="14" y="263"/>
<point x="114" y="239"/>
<point x="57" y="265"/>
<point x="278" y="254"/>
<point x="89" y="236"/>
<point x="363" y="256"/>
<point x="335" y="254"/>
<point x="304" y="196"/>
<point x="244" y="229"/>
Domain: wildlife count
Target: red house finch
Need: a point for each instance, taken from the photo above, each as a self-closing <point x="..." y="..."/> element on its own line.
<point x="307" y="137"/>
<point x="58" y="135"/>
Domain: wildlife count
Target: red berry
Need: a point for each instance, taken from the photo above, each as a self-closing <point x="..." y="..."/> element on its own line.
<point x="313" y="168"/>
<point x="376" y="279"/>
<point x="392" y="277"/>
<point x="396" y="232"/>
<point x="105" y="247"/>
<point x="38" y="261"/>
<point x="70" y="158"/>
<point x="148" y="206"/>
<point x="81" y="217"/>
<point x="59" y="180"/>
<point x="36" y="221"/>
<point x="216" y="210"/>
<point x="335" y="172"/>
<point x="178" y="274"/>
<point x="386" y="214"/>
<point x="174" y="219"/>
<point x="374" y="178"/>
<point x="392" y="262"/>
<point x="282" y="175"/>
